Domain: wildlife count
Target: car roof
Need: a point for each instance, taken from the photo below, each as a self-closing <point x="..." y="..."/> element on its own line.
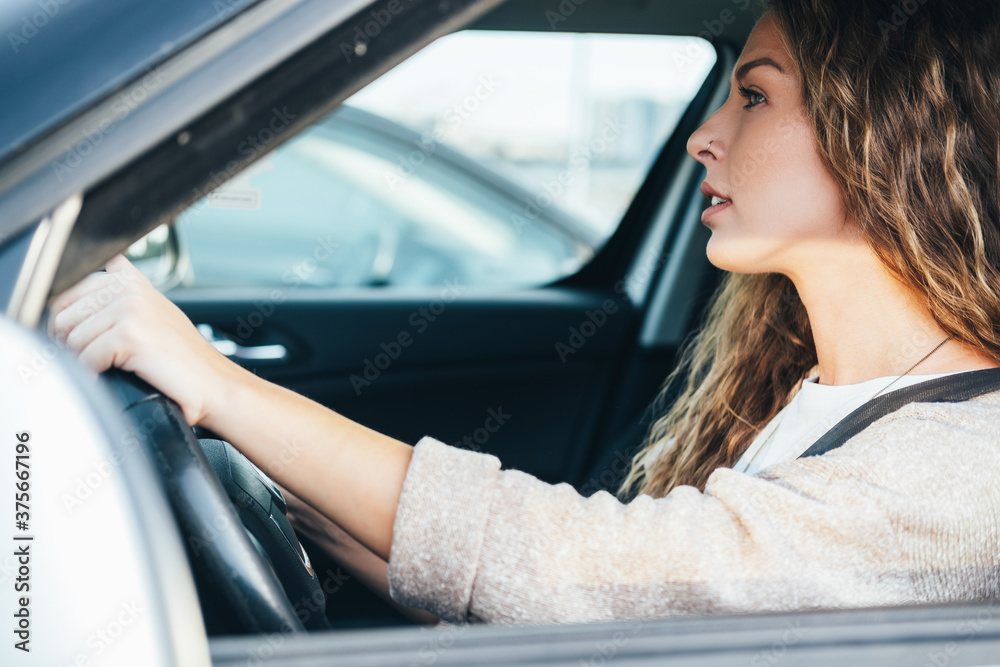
<point x="67" y="54"/>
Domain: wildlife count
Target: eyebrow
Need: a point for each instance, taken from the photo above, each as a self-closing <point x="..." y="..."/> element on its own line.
<point x="745" y="68"/>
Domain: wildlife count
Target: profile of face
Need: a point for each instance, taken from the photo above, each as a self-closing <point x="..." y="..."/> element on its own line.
<point x="783" y="210"/>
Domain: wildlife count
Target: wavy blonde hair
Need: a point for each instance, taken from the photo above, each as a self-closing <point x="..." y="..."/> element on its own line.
<point x="903" y="98"/>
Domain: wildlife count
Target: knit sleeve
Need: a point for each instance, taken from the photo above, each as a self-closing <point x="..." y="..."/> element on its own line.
<point x="861" y="526"/>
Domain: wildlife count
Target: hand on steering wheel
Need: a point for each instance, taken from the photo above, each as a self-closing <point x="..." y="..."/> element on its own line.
<point x="118" y="319"/>
<point x="123" y="327"/>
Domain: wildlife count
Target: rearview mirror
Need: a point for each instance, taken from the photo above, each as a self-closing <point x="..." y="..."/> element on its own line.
<point x="158" y="256"/>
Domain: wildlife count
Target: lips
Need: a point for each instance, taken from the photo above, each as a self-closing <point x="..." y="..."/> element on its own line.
<point x="713" y="194"/>
<point x="719" y="201"/>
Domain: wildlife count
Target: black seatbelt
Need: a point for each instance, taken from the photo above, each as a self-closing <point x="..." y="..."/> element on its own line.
<point x="950" y="389"/>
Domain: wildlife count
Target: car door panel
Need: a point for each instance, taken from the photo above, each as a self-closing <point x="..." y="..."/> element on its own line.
<point x="520" y="375"/>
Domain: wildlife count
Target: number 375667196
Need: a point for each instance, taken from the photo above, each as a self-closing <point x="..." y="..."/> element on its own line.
<point x="22" y="473"/>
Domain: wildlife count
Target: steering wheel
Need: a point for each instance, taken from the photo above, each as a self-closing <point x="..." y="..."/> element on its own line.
<point x="215" y="538"/>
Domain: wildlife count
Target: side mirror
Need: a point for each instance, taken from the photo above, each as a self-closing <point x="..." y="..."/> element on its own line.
<point x="158" y="255"/>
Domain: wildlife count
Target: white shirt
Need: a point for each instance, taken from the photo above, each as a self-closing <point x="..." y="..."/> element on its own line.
<point x="814" y="410"/>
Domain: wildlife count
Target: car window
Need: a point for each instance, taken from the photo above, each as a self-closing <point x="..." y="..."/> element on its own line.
<point x="497" y="159"/>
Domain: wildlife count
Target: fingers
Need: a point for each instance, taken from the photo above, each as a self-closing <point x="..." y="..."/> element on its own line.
<point x="86" y="290"/>
<point x="90" y="295"/>
<point x="118" y="319"/>
<point x="103" y="352"/>
<point x="78" y="335"/>
<point x="119" y="263"/>
<point x="63" y="321"/>
<point x="93" y="316"/>
<point x="85" y="299"/>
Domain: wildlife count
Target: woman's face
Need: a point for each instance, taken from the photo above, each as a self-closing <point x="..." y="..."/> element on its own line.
<point x="784" y="211"/>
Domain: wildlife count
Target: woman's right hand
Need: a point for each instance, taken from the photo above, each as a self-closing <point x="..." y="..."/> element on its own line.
<point x="119" y="319"/>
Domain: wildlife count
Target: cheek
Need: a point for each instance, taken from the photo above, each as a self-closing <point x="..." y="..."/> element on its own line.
<point x="781" y="185"/>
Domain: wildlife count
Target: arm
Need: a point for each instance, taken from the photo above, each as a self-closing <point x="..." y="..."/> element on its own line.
<point x="895" y="516"/>
<point x="355" y="558"/>
<point x="351" y="474"/>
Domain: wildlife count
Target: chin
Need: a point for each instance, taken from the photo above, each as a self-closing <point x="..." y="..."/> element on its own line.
<point x="735" y="255"/>
<point x="724" y="254"/>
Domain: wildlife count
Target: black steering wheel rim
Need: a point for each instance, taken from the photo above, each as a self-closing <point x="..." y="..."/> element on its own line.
<point x="209" y="522"/>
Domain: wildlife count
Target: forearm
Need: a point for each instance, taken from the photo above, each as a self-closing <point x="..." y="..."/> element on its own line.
<point x="351" y="474"/>
<point x="357" y="559"/>
<point x="372" y="571"/>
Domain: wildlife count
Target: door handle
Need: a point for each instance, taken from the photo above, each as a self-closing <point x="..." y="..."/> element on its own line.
<point x="233" y="350"/>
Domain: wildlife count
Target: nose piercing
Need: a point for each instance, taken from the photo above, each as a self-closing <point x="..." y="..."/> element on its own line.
<point x="710" y="145"/>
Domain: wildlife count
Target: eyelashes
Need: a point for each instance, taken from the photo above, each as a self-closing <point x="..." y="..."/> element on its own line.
<point x="752" y="97"/>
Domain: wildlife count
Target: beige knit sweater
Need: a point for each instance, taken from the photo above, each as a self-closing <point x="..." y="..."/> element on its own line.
<point x="907" y="511"/>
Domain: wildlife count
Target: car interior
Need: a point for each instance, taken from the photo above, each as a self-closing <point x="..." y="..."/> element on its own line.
<point x="222" y="140"/>
<point x="556" y="378"/>
<point x="569" y="414"/>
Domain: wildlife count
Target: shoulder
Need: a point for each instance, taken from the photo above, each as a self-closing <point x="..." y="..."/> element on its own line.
<point x="926" y="422"/>
<point x="923" y="462"/>
<point x="920" y="443"/>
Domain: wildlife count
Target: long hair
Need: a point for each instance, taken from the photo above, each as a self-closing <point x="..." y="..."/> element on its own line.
<point x="903" y="100"/>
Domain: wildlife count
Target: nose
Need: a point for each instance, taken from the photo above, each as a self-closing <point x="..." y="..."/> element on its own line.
<point x="705" y="145"/>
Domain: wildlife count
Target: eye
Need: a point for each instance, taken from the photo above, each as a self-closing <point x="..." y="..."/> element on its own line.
<point x="752" y="97"/>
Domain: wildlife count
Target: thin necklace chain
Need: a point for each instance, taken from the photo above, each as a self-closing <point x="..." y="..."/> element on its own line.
<point x="912" y="367"/>
<point x="775" y="429"/>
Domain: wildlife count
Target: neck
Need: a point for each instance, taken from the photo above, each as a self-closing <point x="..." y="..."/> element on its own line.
<point x="866" y="324"/>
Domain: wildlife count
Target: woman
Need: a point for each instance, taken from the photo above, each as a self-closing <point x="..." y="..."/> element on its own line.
<point x="855" y="178"/>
